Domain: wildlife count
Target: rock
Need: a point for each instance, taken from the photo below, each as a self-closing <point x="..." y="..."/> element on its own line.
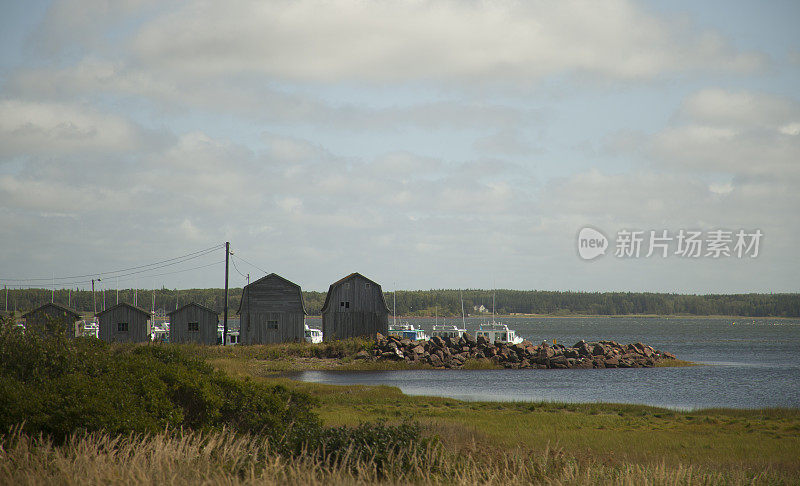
<point x="379" y="337"/>
<point x="558" y="362"/>
<point x="611" y="362"/>
<point x="482" y="340"/>
<point x="363" y="355"/>
<point x="418" y="350"/>
<point x="571" y="353"/>
<point x="599" y="350"/>
<point x="469" y="338"/>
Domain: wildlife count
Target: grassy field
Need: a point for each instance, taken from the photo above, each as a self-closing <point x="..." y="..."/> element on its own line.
<point x="471" y="442"/>
<point x="727" y="446"/>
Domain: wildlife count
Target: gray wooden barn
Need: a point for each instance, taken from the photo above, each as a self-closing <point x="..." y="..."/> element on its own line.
<point x="124" y="323"/>
<point x="193" y="323"/>
<point x="52" y="318"/>
<point x="354" y="307"/>
<point x="271" y="311"/>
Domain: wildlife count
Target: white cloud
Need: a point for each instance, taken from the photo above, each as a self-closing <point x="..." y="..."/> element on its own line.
<point x="742" y="133"/>
<point x="725" y="108"/>
<point x="28" y="127"/>
<point x="399" y="41"/>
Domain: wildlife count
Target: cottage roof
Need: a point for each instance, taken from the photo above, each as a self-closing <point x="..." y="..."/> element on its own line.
<point x="270" y="276"/>
<point x="193" y="304"/>
<point x="349" y="277"/>
<point x="124" y="304"/>
<point x="59" y="307"/>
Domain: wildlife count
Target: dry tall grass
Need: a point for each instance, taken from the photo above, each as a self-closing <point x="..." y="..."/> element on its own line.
<point x="227" y="458"/>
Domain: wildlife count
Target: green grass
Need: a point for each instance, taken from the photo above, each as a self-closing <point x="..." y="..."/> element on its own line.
<point x="734" y="443"/>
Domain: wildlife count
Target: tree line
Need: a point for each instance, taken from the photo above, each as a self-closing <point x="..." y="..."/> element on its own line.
<point x="443" y="302"/>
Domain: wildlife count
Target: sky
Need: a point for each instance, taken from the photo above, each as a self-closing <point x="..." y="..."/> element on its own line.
<point x="422" y="143"/>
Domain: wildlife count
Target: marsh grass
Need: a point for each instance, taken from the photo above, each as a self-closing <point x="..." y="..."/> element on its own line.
<point x="227" y="458"/>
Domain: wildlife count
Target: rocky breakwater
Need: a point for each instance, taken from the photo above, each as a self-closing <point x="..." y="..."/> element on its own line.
<point x="454" y="353"/>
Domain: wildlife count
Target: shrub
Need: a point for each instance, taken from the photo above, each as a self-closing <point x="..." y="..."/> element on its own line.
<point x="57" y="386"/>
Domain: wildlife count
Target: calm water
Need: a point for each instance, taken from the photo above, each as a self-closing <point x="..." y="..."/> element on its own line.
<point x="749" y="364"/>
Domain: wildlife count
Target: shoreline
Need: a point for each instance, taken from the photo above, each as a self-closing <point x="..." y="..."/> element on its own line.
<point x="593" y="316"/>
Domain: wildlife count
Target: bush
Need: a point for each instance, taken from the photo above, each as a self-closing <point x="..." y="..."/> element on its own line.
<point x="57" y="386"/>
<point x="62" y="388"/>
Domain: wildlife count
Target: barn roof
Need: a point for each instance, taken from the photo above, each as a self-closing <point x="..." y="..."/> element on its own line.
<point x="124" y="304"/>
<point x="273" y="275"/>
<point x="60" y="307"/>
<point x="193" y="304"/>
<point x="342" y="280"/>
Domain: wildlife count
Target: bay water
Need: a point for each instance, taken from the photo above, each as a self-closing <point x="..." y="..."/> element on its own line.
<point x="744" y="363"/>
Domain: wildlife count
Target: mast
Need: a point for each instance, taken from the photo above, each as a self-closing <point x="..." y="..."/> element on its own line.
<point x="463" y="319"/>
<point x="394" y="307"/>
<point x="494" y="292"/>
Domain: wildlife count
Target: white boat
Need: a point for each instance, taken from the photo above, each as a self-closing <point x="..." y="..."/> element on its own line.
<point x="90" y="329"/>
<point x="313" y="336"/>
<point x="405" y="330"/>
<point x="496" y="332"/>
<point x="447" y="330"/>
<point x="160" y="332"/>
<point x="231" y="338"/>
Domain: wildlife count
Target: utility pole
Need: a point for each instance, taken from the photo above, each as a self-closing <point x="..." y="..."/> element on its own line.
<point x="6" y="287"/>
<point x="53" y="294"/>
<point x="117" y="285"/>
<point x="94" y="301"/>
<point x="69" y="297"/>
<point x="225" y="312"/>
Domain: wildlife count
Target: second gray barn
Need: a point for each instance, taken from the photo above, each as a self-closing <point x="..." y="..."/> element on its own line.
<point x="354" y="307"/>
<point x="271" y="311"/>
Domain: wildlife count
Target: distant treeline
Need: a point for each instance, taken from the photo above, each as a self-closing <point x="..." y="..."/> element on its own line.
<point x="447" y="302"/>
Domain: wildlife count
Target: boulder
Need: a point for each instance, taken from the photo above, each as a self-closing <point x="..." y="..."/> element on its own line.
<point x="571" y="353"/>
<point x="363" y="355"/>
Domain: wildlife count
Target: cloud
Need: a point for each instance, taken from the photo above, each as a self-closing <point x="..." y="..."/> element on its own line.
<point x="401" y="41"/>
<point x="28" y="127"/>
<point x="741" y="133"/>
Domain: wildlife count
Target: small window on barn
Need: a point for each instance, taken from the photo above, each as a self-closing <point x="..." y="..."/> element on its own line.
<point x="341" y="304"/>
<point x="347" y="286"/>
<point x="122" y="327"/>
<point x="366" y="285"/>
<point x="347" y="305"/>
<point x="194" y="326"/>
<point x="272" y="325"/>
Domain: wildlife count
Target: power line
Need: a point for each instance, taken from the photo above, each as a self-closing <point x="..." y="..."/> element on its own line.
<point x="237" y="268"/>
<point x="148" y="267"/>
<point x="251" y="264"/>
<point x="144" y="276"/>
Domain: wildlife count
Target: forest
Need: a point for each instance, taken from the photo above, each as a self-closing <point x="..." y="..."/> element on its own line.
<point x="416" y="303"/>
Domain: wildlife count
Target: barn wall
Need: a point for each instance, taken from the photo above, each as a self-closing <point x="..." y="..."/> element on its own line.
<point x="138" y="325"/>
<point x="207" y="326"/>
<point x="43" y="320"/>
<point x="366" y="315"/>
<point x="271" y="299"/>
